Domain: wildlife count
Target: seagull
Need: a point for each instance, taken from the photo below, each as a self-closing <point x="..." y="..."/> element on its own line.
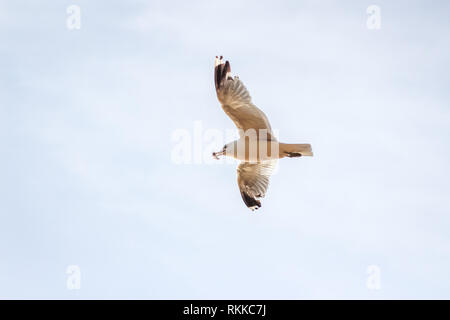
<point x="257" y="148"/>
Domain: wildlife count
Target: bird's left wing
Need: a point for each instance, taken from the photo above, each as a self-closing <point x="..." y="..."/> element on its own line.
<point x="237" y="103"/>
<point x="253" y="181"/>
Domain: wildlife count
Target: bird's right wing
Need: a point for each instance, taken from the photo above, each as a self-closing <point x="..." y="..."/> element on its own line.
<point x="237" y="103"/>
<point x="253" y="181"/>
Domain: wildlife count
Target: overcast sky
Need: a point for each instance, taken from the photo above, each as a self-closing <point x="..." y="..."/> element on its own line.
<point x="87" y="118"/>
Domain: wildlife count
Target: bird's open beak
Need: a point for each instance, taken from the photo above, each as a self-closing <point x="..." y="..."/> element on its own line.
<point x="217" y="154"/>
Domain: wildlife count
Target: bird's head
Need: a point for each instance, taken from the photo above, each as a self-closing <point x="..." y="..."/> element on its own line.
<point x="227" y="150"/>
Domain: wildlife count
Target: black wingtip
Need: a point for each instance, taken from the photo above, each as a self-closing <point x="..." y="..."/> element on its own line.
<point x="250" y="202"/>
<point x="220" y="72"/>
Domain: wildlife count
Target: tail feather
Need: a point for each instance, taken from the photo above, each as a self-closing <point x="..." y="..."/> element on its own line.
<point x="295" y="150"/>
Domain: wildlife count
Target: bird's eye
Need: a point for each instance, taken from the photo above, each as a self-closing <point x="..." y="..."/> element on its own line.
<point x="224" y="147"/>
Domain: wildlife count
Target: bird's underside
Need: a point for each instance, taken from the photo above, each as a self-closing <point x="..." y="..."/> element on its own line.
<point x="257" y="148"/>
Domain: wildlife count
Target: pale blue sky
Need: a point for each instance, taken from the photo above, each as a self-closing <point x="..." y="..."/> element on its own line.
<point x="86" y="118"/>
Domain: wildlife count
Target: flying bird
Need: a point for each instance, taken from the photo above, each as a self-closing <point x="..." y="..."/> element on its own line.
<point x="257" y="148"/>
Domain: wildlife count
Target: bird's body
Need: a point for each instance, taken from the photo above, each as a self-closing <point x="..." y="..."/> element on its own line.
<point x="257" y="148"/>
